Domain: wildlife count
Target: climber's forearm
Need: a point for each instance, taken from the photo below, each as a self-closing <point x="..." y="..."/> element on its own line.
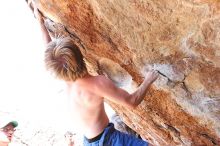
<point x="40" y="18"/>
<point x="45" y="34"/>
<point x="139" y="95"/>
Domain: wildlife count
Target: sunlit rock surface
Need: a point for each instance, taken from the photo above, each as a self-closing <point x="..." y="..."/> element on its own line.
<point x="181" y="39"/>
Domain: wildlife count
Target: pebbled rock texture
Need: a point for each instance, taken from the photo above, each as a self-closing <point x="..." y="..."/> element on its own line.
<point x="125" y="38"/>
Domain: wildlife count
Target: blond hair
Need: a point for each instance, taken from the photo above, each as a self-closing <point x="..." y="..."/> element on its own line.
<point x="64" y="59"/>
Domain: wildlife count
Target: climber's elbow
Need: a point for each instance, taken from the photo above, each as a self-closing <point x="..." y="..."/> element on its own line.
<point x="133" y="106"/>
<point x="132" y="102"/>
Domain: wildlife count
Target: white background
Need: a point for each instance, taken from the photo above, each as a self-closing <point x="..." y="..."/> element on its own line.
<point x="26" y="89"/>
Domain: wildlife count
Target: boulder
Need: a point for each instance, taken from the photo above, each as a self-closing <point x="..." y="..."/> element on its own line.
<point x="123" y="39"/>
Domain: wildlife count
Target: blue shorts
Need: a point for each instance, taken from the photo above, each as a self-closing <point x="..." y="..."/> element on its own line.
<point x="113" y="137"/>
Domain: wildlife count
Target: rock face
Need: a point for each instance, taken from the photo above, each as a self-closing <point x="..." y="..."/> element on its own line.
<point x="181" y="39"/>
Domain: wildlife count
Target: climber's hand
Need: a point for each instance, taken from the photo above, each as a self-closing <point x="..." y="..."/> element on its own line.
<point x="151" y="76"/>
<point x="37" y="14"/>
<point x="29" y="2"/>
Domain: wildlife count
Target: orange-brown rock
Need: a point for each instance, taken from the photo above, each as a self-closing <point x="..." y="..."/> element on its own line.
<point x="180" y="39"/>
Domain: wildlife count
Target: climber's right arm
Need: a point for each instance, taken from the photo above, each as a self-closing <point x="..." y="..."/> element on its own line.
<point x="106" y="89"/>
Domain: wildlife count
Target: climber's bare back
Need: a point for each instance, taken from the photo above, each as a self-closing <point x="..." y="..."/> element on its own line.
<point x="87" y="102"/>
<point x="87" y="106"/>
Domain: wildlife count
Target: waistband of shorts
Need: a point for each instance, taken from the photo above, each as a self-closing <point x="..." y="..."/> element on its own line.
<point x="98" y="137"/>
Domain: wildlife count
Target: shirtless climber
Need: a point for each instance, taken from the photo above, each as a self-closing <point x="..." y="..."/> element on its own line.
<point x="86" y="93"/>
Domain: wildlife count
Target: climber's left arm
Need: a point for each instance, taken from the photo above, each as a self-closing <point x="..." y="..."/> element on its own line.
<point x="45" y="34"/>
<point x="38" y="15"/>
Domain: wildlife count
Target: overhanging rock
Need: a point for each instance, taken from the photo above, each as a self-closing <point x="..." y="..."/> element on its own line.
<point x="181" y="39"/>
